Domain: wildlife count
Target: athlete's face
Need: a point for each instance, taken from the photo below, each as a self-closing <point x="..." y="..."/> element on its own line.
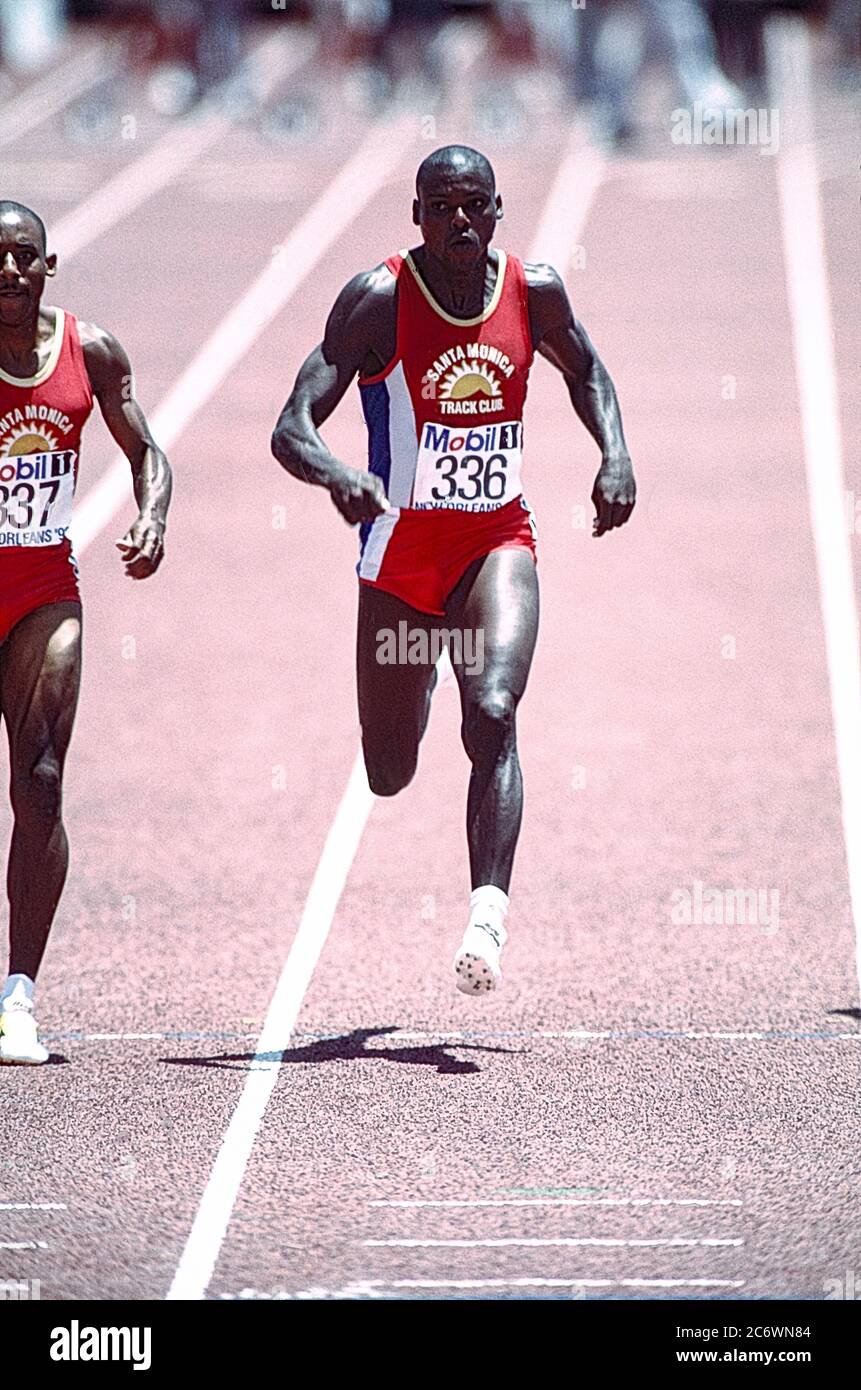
<point x="457" y="213"/>
<point x="23" y="268"/>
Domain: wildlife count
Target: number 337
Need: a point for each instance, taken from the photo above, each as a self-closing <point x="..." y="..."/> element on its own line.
<point x="21" y="498"/>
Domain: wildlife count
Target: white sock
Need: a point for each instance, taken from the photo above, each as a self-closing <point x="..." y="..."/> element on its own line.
<point x="488" y="906"/>
<point x="19" y="990"/>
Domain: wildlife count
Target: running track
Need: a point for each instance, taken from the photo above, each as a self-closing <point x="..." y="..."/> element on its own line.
<point x="648" y="1109"/>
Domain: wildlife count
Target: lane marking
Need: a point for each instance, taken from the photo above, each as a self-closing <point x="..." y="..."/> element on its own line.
<point x="788" y="59"/>
<point x="569" y="202"/>
<point x="451" y="1039"/>
<point x="317" y="231"/>
<point x="33" y="1206"/>
<point x="180" y="146"/>
<point x="562" y="1202"/>
<point x="612" y="1035"/>
<point x="207" y="1234"/>
<point x="374" y="1288"/>
<point x="495" y="1243"/>
<point x="56" y="90"/>
<point x="528" y="1283"/>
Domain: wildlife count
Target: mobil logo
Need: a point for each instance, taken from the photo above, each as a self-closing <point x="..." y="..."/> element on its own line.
<point x="445" y="440"/>
<point x="36" y="467"/>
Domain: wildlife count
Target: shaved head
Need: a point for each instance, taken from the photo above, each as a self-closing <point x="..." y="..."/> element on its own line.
<point x="455" y="160"/>
<point x="25" y="214"/>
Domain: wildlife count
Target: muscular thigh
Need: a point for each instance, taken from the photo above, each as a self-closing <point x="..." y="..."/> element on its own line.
<point x="40" y="672"/>
<point x="392" y="691"/>
<point x="496" y="603"/>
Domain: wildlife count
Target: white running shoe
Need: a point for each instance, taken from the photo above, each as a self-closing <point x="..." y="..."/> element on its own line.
<point x="19" y="1042"/>
<point x="477" y="963"/>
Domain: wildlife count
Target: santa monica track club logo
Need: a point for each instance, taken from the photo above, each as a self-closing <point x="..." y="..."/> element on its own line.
<point x="469" y="379"/>
<point x="465" y="379"/>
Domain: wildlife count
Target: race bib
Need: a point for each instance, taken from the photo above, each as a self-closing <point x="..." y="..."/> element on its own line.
<point x="36" y="498"/>
<point x="468" y="469"/>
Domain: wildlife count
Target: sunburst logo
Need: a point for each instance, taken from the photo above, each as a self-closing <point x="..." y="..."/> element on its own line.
<point x="469" y="379"/>
<point x="24" y="440"/>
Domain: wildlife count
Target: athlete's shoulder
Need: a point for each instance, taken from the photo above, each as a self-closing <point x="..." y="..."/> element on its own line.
<point x="543" y="280"/>
<point x="364" y="312"/>
<point x="368" y="288"/>
<point x="547" y="297"/>
<point x="97" y="341"/>
<point x="104" y="355"/>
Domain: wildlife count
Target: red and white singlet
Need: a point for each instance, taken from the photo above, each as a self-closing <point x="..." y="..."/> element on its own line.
<point x="445" y="435"/>
<point x="41" y="418"/>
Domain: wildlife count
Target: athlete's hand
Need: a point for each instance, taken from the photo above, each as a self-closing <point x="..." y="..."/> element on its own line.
<point x="358" y="496"/>
<point x="614" y="494"/>
<point x="142" y="547"/>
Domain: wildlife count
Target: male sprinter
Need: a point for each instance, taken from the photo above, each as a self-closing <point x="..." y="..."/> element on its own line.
<point x="442" y="338"/>
<point x="51" y="367"/>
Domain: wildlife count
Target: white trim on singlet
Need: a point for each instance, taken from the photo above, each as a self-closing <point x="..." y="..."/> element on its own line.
<point x="51" y="360"/>
<point x="502" y="264"/>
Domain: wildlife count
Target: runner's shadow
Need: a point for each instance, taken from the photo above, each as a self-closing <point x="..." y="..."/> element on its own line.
<point x="350" y="1047"/>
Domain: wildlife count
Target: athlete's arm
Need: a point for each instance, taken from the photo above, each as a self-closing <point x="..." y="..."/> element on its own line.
<point x="110" y="373"/>
<point x="359" y="336"/>
<point x="558" y="336"/>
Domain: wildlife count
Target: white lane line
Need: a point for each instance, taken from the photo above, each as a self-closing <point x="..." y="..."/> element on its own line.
<point x="181" y="146"/>
<point x="564" y="1202"/>
<point x="352" y="189"/>
<point x="375" y="1288"/>
<point x="450" y="1039"/>
<point x="210" y="1224"/>
<point x="527" y="1283"/>
<point x="580" y="175"/>
<point x="51" y="93"/>
<point x="607" y="1034"/>
<point x="789" y="66"/>
<point x="33" y="1206"/>
<point x="23" y="1245"/>
<point x="349" y="192"/>
<point x="536" y="1242"/>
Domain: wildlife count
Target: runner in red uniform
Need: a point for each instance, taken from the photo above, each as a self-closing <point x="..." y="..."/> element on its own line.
<point x="51" y="369"/>
<point x="442" y="339"/>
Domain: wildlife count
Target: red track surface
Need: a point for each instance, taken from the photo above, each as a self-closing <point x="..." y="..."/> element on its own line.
<point x="191" y="866"/>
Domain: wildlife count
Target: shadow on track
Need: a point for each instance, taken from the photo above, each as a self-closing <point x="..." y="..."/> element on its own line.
<point x="350" y="1047"/>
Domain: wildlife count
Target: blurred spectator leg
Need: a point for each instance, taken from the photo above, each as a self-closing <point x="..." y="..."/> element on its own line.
<point x="219" y="46"/>
<point x="844" y="17"/>
<point x="607" y="61"/>
<point x="30" y="33"/>
<point x="687" y="40"/>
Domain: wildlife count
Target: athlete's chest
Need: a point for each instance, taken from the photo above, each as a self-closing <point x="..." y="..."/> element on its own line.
<point x="46" y="412"/>
<point x="477" y="367"/>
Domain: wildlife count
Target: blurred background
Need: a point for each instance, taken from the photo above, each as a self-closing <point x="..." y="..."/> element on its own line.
<point x="617" y="63"/>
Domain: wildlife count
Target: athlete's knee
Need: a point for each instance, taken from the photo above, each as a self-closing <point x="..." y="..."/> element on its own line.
<point x="37" y="792"/>
<point x="488" y="724"/>
<point x="389" y="772"/>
